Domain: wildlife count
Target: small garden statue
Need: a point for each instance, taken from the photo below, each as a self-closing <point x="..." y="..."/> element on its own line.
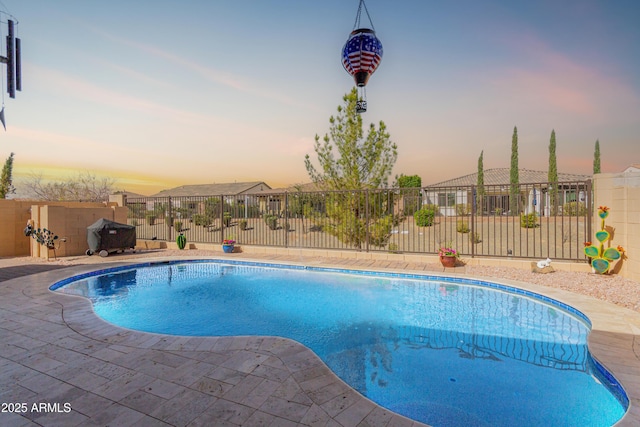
<point x="602" y="258"/>
<point x="41" y="235"/>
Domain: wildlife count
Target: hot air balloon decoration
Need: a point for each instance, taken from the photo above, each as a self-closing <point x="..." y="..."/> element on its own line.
<point x="361" y="56"/>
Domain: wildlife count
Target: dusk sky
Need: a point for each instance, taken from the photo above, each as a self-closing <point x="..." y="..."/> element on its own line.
<point x="159" y="93"/>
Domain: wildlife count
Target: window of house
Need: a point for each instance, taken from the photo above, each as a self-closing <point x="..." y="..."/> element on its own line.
<point x="446" y="199"/>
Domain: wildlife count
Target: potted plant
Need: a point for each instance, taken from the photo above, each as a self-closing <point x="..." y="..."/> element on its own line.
<point x="448" y="256"/>
<point x="228" y="245"/>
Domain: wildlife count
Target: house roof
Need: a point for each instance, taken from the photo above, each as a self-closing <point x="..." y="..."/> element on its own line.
<point x="307" y="187"/>
<point x="501" y="176"/>
<point x="130" y="194"/>
<point x="225" y="189"/>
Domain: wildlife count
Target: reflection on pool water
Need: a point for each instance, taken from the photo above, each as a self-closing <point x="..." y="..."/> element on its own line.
<point x="441" y="351"/>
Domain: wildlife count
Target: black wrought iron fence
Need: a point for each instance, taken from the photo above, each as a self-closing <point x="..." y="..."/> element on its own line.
<point x="547" y="220"/>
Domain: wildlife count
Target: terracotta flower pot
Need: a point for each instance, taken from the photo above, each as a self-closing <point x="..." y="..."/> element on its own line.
<point x="448" y="261"/>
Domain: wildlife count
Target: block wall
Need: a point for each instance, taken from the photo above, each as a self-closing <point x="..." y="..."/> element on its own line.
<point x="61" y="217"/>
<point x="13" y="219"/>
<point x="70" y="225"/>
<point x="621" y="193"/>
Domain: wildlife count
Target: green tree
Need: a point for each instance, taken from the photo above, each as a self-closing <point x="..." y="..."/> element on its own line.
<point x="409" y="186"/>
<point x="350" y="161"/>
<point x="409" y="181"/>
<point x="596" y="158"/>
<point x="480" y="180"/>
<point x="553" y="174"/>
<point x="6" y="180"/>
<point x="361" y="164"/>
<point x="514" y="189"/>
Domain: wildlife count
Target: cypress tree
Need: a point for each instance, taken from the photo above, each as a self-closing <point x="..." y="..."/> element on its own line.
<point x="6" y="180"/>
<point x="596" y="158"/>
<point x="480" y="191"/>
<point x="553" y="174"/>
<point x="514" y="189"/>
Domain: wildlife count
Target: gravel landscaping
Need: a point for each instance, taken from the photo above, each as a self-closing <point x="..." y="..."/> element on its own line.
<point x="612" y="288"/>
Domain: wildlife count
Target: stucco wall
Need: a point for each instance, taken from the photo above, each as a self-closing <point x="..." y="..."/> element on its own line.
<point x="70" y="224"/>
<point x="13" y="219"/>
<point x="66" y="219"/>
<point x="621" y="193"/>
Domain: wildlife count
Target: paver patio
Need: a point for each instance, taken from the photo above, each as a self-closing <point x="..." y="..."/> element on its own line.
<point x="55" y="350"/>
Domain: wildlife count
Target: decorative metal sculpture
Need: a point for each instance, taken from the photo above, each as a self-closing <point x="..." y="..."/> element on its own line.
<point x="361" y="56"/>
<point x="602" y="258"/>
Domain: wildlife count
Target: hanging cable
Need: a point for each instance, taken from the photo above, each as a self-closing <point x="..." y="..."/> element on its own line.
<point x="356" y="24"/>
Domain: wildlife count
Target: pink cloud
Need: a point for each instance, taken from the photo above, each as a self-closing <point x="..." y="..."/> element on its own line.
<point x="548" y="79"/>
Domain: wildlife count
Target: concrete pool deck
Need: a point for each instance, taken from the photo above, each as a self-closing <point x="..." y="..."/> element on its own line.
<point x="55" y="350"/>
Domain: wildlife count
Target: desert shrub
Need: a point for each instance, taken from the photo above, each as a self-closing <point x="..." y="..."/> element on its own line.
<point x="475" y="238"/>
<point x="528" y="220"/>
<point x="136" y="210"/>
<point x="177" y="225"/>
<point x="151" y="218"/>
<point x="425" y="216"/>
<point x="463" y="209"/>
<point x="226" y="219"/>
<point x="380" y="230"/>
<point x="411" y="204"/>
<point x="201" y="219"/>
<point x="574" y="209"/>
<point x="463" y="226"/>
<point x="242" y="224"/>
<point x="271" y="221"/>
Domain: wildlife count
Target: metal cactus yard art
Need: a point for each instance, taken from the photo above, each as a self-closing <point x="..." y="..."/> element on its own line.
<point x="602" y="258"/>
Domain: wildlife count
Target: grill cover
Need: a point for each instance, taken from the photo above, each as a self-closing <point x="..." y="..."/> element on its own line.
<point x="106" y="235"/>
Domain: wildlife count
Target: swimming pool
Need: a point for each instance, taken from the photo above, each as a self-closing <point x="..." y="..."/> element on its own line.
<point x="439" y="350"/>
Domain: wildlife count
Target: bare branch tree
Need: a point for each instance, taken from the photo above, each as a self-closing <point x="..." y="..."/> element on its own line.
<point x="86" y="187"/>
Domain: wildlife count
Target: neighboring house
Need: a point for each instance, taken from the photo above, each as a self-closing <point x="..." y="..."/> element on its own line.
<point x="192" y="198"/>
<point x="273" y="200"/>
<point x="134" y="201"/>
<point x="534" y="191"/>
<point x="632" y="169"/>
<point x="222" y="189"/>
<point x="129" y="194"/>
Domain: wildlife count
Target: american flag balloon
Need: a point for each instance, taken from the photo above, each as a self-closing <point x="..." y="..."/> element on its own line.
<point x="361" y="55"/>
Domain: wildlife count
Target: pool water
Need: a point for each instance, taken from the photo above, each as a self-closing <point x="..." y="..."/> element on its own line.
<point x="439" y="351"/>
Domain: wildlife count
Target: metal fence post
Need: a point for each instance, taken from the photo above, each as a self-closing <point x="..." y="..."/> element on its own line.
<point x="474" y="210"/>
<point x="169" y="219"/>
<point x="286" y="219"/>
<point x="221" y="218"/>
<point x="366" y="221"/>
